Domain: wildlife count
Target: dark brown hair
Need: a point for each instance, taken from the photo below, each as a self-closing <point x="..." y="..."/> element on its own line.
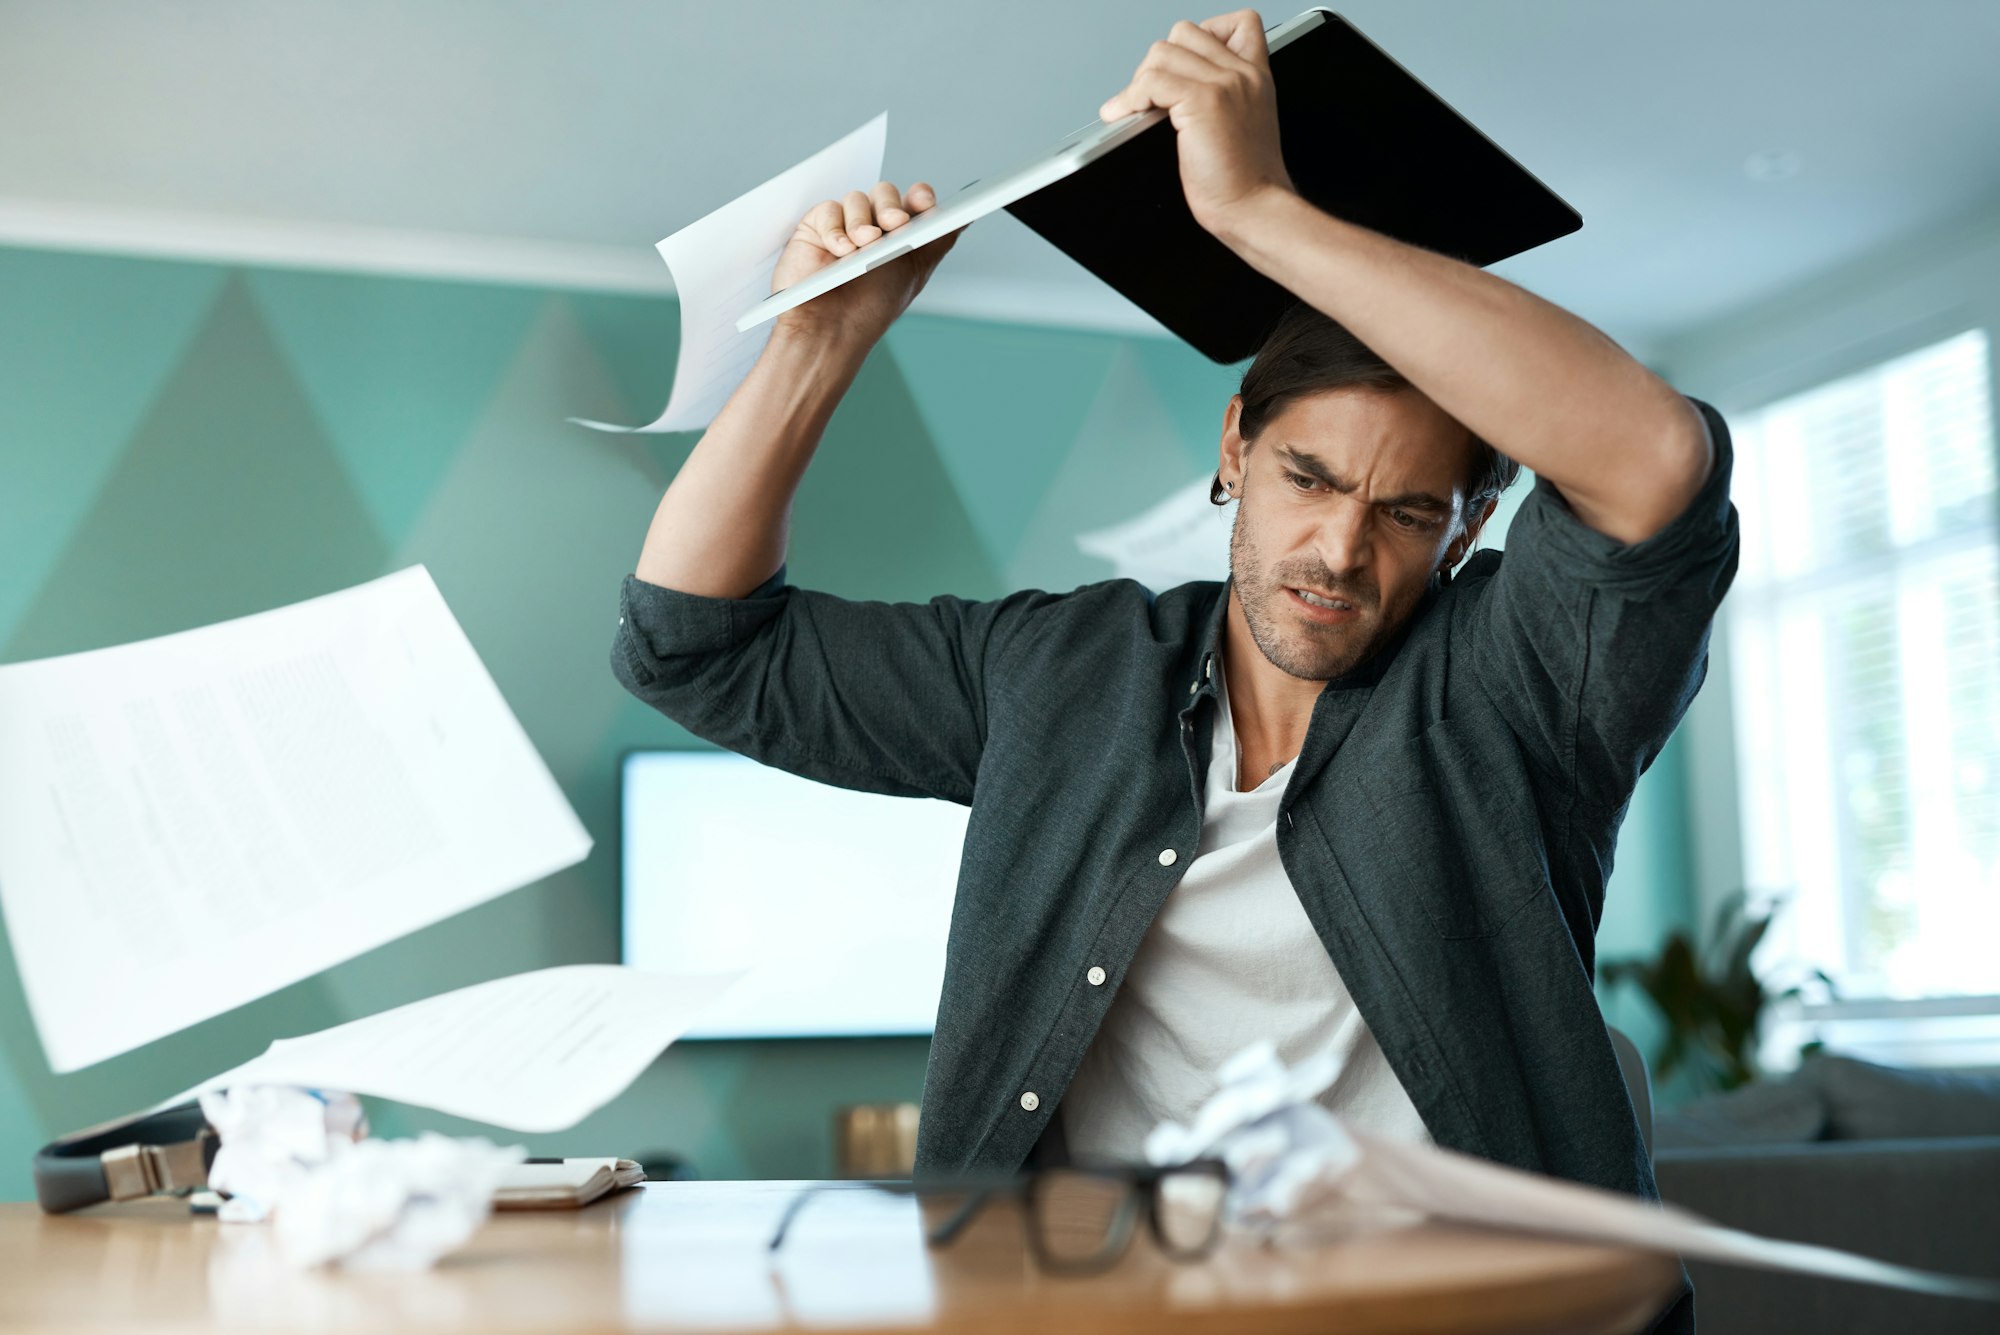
<point x="1307" y="353"/>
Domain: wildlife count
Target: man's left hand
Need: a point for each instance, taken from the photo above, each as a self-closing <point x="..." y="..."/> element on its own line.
<point x="1214" y="80"/>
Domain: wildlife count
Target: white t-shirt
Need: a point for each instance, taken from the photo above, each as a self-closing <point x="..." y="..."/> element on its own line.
<point x="1231" y="958"/>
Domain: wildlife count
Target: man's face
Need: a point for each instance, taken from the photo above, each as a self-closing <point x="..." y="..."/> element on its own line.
<point x="1349" y="500"/>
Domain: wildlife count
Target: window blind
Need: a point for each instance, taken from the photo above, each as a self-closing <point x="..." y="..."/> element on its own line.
<point x="1865" y="653"/>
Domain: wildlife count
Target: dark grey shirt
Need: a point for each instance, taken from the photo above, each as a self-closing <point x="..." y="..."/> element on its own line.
<point x="1448" y="826"/>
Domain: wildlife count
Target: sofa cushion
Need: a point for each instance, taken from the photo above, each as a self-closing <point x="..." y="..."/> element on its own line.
<point x="1767" y="1113"/>
<point x="1864" y="1101"/>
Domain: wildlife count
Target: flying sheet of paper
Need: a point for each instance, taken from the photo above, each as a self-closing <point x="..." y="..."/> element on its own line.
<point x="538" y="1051"/>
<point x="722" y="266"/>
<point x="1294" y="1164"/>
<point x="191" y="822"/>
<point x="1459" y="1187"/>
<point x="1182" y="538"/>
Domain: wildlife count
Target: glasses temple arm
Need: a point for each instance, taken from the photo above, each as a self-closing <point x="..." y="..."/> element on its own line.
<point x="949" y="1230"/>
<point x="797" y="1203"/>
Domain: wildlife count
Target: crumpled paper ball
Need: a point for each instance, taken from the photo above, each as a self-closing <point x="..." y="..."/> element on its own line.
<point x="1290" y="1160"/>
<point x="393" y="1204"/>
<point x="301" y="1159"/>
<point x="272" y="1137"/>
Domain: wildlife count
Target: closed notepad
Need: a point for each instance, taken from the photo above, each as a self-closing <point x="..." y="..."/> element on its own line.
<point x="564" y="1184"/>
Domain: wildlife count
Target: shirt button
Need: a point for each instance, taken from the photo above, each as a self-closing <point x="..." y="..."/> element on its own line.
<point x="1030" y="1101"/>
<point x="1096" y="976"/>
<point x="1168" y="857"/>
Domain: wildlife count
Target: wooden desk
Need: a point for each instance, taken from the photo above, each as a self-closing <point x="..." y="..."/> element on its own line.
<point x="692" y="1257"/>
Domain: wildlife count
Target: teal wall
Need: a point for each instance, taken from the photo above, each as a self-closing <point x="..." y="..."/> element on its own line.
<point x="181" y="443"/>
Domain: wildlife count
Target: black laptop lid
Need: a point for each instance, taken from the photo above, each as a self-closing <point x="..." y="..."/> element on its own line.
<point x="1362" y="139"/>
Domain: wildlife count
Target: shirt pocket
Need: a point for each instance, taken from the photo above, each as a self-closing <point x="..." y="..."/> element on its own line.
<point x="1455" y="816"/>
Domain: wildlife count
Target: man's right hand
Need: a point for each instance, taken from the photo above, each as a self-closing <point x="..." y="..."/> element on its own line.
<point x="720" y="529"/>
<point x="863" y="308"/>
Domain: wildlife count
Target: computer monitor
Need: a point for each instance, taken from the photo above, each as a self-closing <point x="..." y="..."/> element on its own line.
<point x="837" y="902"/>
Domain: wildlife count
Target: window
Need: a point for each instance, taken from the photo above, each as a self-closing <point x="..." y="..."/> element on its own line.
<point x="1865" y="646"/>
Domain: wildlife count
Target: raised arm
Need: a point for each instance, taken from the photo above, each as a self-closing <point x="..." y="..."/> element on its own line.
<point x="721" y="528"/>
<point x="1626" y="451"/>
<point x="883" y="697"/>
<point x="1590" y="638"/>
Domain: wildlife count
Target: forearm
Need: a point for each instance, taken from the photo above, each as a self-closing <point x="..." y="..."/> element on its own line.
<point x="720" y="530"/>
<point x="1533" y="380"/>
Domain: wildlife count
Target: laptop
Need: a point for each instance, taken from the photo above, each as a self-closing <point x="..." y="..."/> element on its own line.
<point x="1070" y="154"/>
<point x="1362" y="138"/>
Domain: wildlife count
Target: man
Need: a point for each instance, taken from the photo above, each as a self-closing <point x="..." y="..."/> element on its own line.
<point x="1346" y="801"/>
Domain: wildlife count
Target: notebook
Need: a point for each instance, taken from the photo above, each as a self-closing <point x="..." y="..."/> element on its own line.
<point x="564" y="1184"/>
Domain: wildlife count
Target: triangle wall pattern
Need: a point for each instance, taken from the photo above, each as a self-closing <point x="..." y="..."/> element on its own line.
<point x="1123" y="461"/>
<point x="886" y="518"/>
<point x="1004" y="405"/>
<point x="85" y="345"/>
<point x="395" y="370"/>
<point x="228" y="500"/>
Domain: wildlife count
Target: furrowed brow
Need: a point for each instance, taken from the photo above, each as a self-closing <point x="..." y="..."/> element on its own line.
<point x="1416" y="500"/>
<point x="1410" y="500"/>
<point x="1307" y="464"/>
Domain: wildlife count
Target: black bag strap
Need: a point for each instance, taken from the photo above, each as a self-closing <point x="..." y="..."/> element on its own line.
<point x="164" y="1151"/>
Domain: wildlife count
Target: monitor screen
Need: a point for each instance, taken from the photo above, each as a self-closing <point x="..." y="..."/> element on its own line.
<point x="837" y="902"/>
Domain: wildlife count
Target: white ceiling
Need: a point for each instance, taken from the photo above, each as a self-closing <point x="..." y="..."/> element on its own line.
<point x="557" y="141"/>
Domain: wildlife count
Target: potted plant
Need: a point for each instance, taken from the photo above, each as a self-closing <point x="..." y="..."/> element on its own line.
<point x="1711" y="1000"/>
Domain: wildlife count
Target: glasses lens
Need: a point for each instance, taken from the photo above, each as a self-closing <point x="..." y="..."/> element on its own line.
<point x="1082" y="1218"/>
<point x="1190" y="1209"/>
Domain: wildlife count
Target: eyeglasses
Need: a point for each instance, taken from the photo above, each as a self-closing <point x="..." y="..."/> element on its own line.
<point x="1079" y="1219"/>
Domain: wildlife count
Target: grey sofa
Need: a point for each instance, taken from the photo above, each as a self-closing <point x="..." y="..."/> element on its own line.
<point x="1899" y="1165"/>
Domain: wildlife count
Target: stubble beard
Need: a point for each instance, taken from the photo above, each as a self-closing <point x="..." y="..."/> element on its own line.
<point x="1293" y="644"/>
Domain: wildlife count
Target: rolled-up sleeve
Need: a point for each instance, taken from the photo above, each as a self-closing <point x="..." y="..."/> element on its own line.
<point x="1590" y="648"/>
<point x="881" y="697"/>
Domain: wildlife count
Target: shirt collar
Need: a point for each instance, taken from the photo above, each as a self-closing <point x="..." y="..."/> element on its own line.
<point x="1197" y="678"/>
